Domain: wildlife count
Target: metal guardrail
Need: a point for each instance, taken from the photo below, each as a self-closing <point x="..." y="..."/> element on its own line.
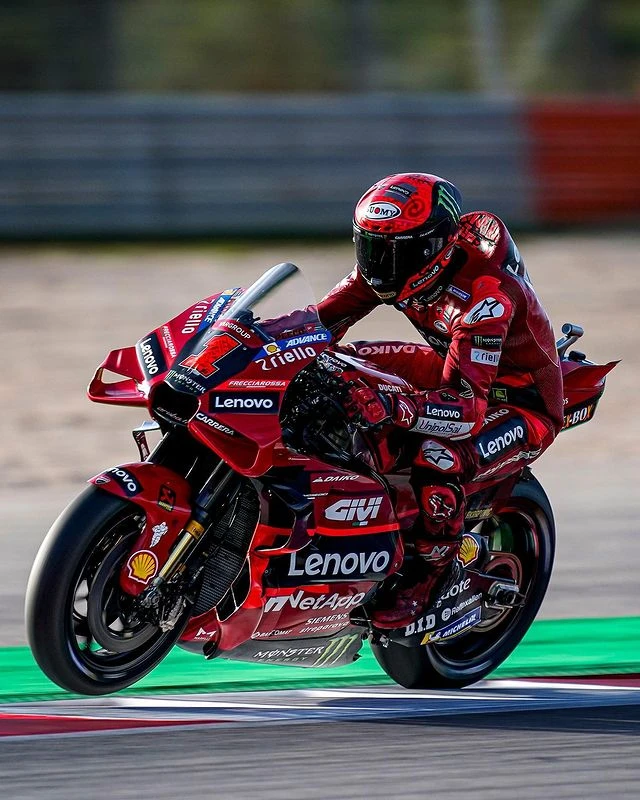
<point x="154" y="166"/>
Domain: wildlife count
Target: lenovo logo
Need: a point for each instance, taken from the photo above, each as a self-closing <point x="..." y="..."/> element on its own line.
<point x="338" y="564"/>
<point x="492" y="443"/>
<point x="255" y="403"/>
<point x="442" y="412"/>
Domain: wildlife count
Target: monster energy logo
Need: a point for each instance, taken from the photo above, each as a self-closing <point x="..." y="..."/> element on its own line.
<point x="335" y="650"/>
<point x="448" y="201"/>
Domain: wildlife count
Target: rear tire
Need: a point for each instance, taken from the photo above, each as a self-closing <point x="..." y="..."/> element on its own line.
<point x="74" y="600"/>
<point x="522" y="526"/>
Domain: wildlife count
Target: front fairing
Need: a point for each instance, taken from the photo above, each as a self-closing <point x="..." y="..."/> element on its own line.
<point x="146" y="365"/>
<point x="237" y="369"/>
<point x="221" y="367"/>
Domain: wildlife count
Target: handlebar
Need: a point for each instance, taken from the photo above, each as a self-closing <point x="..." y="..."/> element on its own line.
<point x="571" y="333"/>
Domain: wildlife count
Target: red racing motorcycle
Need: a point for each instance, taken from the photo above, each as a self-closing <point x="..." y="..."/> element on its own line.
<point x="262" y="527"/>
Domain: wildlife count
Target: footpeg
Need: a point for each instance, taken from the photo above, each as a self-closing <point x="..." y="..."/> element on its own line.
<point x="504" y="595"/>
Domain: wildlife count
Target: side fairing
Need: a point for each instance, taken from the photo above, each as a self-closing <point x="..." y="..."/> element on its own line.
<point x="583" y="386"/>
<point x="164" y="499"/>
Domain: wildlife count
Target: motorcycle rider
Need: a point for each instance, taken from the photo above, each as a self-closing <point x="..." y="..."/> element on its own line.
<point x="488" y="387"/>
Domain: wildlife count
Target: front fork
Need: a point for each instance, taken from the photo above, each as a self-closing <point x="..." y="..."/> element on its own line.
<point x="175" y="520"/>
<point x="221" y="479"/>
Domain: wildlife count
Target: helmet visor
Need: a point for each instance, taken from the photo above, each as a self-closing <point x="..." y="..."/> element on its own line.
<point x="387" y="262"/>
<point x="375" y="256"/>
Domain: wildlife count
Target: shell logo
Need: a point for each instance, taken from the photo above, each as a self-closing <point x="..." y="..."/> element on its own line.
<point x="142" y="566"/>
<point x="271" y="348"/>
<point x="469" y="550"/>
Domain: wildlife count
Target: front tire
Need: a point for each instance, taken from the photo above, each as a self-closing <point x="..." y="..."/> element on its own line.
<point x="521" y="539"/>
<point x="82" y="629"/>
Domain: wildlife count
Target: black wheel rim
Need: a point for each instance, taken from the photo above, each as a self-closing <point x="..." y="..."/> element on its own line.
<point x="517" y="533"/>
<point x="106" y="641"/>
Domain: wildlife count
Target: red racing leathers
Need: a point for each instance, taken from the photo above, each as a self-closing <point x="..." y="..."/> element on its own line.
<point x="490" y="375"/>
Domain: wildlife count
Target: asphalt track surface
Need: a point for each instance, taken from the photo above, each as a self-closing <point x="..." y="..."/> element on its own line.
<point x="496" y="740"/>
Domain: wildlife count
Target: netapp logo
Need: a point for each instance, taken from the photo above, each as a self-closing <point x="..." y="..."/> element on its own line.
<point x="337" y="564"/>
<point x="307" y="602"/>
<point x="238" y="402"/>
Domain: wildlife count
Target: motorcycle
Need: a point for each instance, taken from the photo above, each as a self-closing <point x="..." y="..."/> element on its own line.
<point x="265" y="526"/>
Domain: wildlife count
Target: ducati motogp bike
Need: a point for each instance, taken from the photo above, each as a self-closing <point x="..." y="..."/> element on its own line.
<point x="261" y="526"/>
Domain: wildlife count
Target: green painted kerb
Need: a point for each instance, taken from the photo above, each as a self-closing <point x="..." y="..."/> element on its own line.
<point x="551" y="648"/>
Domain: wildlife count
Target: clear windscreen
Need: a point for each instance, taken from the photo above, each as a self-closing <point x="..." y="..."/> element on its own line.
<point x="280" y="307"/>
<point x="280" y="299"/>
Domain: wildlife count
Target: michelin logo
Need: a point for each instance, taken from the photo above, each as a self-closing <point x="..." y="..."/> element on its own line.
<point x="455" y="628"/>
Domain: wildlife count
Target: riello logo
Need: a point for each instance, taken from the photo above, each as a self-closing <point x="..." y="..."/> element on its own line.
<point x="358" y="511"/>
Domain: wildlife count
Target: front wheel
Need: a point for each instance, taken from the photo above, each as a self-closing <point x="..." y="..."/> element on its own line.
<point x="521" y="542"/>
<point x="83" y="630"/>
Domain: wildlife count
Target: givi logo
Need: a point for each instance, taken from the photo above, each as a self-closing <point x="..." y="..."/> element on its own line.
<point x="358" y="510"/>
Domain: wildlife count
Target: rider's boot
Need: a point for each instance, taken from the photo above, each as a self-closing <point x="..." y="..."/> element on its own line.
<point x="439" y="573"/>
<point x="439" y="567"/>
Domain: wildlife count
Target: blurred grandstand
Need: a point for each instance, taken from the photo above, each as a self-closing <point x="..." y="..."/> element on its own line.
<point x="147" y="118"/>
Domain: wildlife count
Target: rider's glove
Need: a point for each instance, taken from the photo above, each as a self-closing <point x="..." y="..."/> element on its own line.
<point x="368" y="408"/>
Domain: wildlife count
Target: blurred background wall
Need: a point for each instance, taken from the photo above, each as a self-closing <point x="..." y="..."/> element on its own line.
<point x="151" y="118"/>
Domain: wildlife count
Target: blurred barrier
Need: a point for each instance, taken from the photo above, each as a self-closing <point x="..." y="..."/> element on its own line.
<point x="136" y="166"/>
<point x="585" y="161"/>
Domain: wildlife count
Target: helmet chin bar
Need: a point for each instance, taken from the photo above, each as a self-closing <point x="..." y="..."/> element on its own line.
<point x="385" y="296"/>
<point x="384" y="292"/>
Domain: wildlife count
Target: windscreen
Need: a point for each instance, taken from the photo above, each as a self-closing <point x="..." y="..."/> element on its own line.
<point x="278" y="308"/>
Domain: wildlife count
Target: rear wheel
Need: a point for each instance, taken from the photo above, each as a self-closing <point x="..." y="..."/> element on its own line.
<point x="521" y="543"/>
<point x="84" y="631"/>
